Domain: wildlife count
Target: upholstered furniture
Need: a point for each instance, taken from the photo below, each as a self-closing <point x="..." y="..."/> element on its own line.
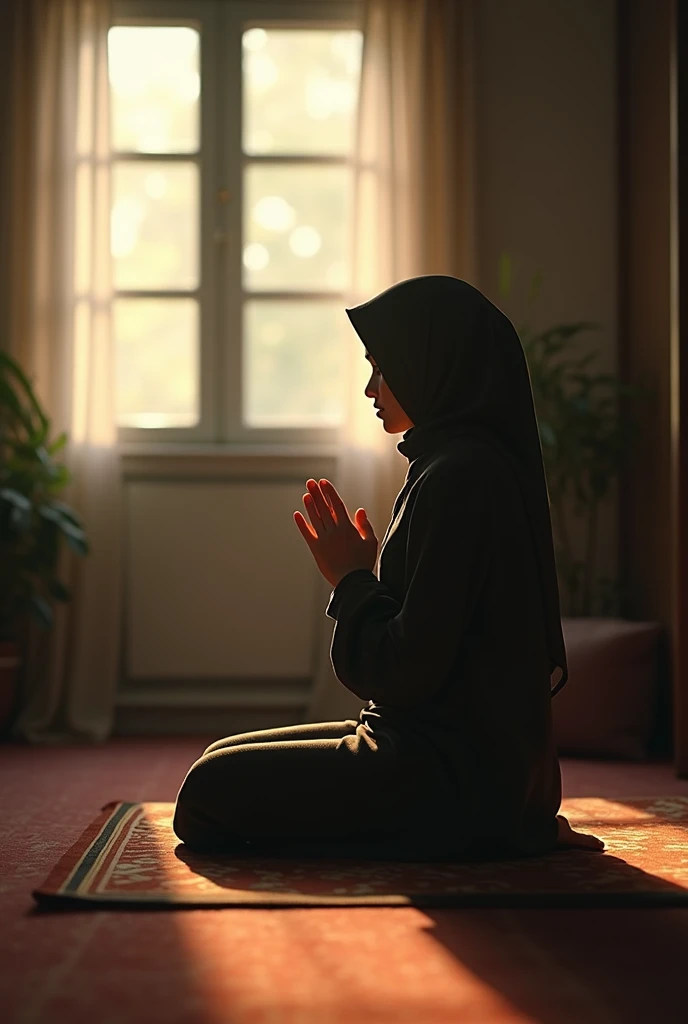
<point x="607" y="707"/>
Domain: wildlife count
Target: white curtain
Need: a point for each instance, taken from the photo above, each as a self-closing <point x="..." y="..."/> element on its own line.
<point x="60" y="332"/>
<point x="413" y="214"/>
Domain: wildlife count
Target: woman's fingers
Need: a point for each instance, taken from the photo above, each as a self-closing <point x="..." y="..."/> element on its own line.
<point x="313" y="515"/>
<point x="307" y="531"/>
<point x="332" y="495"/>
<point x="322" y="509"/>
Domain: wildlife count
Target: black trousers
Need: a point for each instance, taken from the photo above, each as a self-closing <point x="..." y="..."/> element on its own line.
<point x="324" y="788"/>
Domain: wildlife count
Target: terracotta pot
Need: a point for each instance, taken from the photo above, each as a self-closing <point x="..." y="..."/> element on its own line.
<point x="10" y="663"/>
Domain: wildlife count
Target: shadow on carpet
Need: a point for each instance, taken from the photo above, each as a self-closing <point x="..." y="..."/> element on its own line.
<point x="129" y="857"/>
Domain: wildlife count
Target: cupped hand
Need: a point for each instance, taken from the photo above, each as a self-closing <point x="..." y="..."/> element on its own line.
<point x="338" y="544"/>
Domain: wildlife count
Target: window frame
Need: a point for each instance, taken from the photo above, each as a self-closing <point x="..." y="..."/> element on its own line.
<point x="221" y="162"/>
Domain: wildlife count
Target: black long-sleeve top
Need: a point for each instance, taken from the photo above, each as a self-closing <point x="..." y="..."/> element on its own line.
<point x="448" y="647"/>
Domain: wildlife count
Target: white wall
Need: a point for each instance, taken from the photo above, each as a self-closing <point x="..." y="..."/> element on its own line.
<point x="221" y="594"/>
<point x="219" y="582"/>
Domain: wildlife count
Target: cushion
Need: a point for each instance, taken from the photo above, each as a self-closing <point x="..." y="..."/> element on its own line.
<point x="606" y="708"/>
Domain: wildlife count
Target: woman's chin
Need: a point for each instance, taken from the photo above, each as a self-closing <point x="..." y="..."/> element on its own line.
<point x="391" y="425"/>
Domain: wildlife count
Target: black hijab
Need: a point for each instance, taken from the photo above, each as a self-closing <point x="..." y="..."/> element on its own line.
<point x="456" y="365"/>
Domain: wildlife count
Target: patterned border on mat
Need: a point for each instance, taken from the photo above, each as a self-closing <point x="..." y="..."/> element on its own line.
<point x="113" y="833"/>
<point x="127" y="846"/>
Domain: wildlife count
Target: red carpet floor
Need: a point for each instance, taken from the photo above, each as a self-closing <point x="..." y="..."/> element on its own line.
<point x="367" y="965"/>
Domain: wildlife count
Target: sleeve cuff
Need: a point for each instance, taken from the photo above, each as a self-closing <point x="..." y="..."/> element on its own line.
<point x="343" y="586"/>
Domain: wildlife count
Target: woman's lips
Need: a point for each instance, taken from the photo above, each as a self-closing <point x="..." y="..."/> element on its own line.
<point x="379" y="411"/>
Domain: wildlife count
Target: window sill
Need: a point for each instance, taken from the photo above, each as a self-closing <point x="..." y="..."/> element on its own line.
<point x="171" y="449"/>
<point x="226" y="461"/>
<point x="279" y="694"/>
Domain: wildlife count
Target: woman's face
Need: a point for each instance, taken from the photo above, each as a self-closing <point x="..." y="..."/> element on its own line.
<point x="394" y="419"/>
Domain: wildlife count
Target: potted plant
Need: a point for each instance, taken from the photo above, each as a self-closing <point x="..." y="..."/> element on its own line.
<point x="587" y="434"/>
<point x="34" y="524"/>
<point x="585" y="443"/>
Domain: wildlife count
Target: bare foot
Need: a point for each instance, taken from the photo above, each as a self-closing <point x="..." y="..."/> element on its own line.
<point x="568" y="838"/>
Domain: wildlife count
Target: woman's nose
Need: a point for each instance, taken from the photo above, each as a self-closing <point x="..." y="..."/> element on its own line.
<point x="371" y="391"/>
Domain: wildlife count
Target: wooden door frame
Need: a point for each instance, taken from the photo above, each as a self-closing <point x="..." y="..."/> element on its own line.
<point x="652" y="68"/>
<point x="679" y="378"/>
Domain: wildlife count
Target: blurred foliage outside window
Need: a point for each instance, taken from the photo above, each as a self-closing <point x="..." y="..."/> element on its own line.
<point x="299" y="96"/>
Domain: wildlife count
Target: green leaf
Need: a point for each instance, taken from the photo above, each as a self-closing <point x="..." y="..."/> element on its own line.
<point x="67" y="512"/>
<point x="48" y="512"/>
<point x="11" y="368"/>
<point x="59" y="443"/>
<point x="75" y="537"/>
<point x="15" y="498"/>
<point x="10" y="401"/>
<point x="43" y="457"/>
<point x="43" y="613"/>
<point x="21" y="519"/>
<point x="59" y="591"/>
<point x="55" y="517"/>
<point x="505" y="274"/>
<point x="548" y="435"/>
<point x="60" y="478"/>
<point x="20" y="515"/>
<point x="60" y="514"/>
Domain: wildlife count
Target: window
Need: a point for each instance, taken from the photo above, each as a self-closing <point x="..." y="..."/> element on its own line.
<point x="232" y="130"/>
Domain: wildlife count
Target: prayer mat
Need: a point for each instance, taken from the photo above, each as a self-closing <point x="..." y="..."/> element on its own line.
<point x="130" y="857"/>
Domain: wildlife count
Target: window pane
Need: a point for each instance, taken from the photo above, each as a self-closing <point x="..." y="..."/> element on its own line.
<point x="300" y="90"/>
<point x="296" y="222"/>
<point x="155" y="86"/>
<point x="155" y="225"/>
<point x="293" y="363"/>
<point x="157" y="345"/>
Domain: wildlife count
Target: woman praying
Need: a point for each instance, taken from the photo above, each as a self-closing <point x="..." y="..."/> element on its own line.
<point x="454" y="644"/>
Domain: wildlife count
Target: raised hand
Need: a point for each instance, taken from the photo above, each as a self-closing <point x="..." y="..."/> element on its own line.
<point x="338" y="544"/>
